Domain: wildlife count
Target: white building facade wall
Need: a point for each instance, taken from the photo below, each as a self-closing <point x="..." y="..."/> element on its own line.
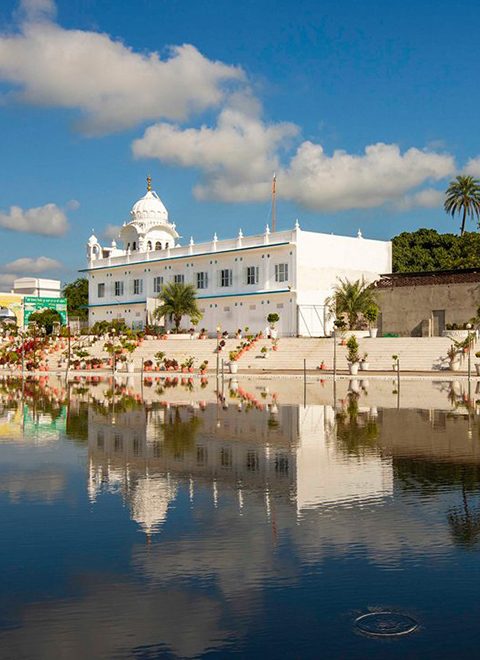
<point x="295" y="272"/>
<point x="233" y="303"/>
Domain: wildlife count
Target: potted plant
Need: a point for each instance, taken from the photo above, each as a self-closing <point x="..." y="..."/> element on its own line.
<point x="271" y="320"/>
<point x="264" y="352"/>
<point x="130" y="347"/>
<point x="233" y="366"/>
<point x="477" y="364"/>
<point x="353" y="358"/>
<point x="452" y="355"/>
<point x="364" y="365"/>
<point x="203" y="367"/>
<point x="371" y="314"/>
<point x="394" y="362"/>
<point x="159" y="357"/>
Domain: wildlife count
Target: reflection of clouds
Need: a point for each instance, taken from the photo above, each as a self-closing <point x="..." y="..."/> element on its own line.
<point x="241" y="552"/>
<point x="115" y="620"/>
<point x="41" y="483"/>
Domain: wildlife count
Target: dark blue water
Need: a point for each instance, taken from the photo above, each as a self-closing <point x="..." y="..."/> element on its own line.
<point x="253" y="528"/>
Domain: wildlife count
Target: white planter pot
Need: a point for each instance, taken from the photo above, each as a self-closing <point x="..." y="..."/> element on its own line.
<point x="364" y="366"/>
<point x="353" y="368"/>
<point x="477" y="367"/>
<point x="354" y="386"/>
<point x="373" y="332"/>
<point x="273" y="333"/>
<point x="233" y="367"/>
<point x="130" y="367"/>
<point x="454" y="365"/>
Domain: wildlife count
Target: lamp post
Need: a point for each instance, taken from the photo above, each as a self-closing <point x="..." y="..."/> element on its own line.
<point x="469" y="343"/>
<point x="219" y="329"/>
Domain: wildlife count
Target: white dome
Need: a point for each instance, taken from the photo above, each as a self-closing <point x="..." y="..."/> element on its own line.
<point x="151" y="500"/>
<point x="151" y="208"/>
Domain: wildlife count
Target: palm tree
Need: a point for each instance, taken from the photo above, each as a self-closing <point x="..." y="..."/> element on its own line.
<point x="463" y="196"/>
<point x="351" y="299"/>
<point x="177" y="300"/>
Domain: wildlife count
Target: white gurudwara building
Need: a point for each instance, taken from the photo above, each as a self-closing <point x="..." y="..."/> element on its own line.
<point x="239" y="281"/>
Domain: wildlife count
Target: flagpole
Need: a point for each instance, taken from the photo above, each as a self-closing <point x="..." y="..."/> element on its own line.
<point x="274" y="209"/>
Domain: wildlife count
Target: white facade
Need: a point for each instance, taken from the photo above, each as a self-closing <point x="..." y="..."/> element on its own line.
<point x="239" y="281"/>
<point x="39" y="287"/>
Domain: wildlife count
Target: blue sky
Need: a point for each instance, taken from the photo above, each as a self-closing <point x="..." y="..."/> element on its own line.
<point x="364" y="109"/>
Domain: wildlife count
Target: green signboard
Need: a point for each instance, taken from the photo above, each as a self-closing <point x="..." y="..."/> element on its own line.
<point x="33" y="304"/>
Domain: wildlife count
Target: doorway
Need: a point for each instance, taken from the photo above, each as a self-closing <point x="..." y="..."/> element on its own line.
<point x="438" y="325"/>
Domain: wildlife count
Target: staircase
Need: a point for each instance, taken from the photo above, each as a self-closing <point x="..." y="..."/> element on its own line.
<point x="415" y="354"/>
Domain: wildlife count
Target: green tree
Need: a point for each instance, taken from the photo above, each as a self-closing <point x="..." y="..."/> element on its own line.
<point x="463" y="196"/>
<point x="351" y="299"/>
<point x="76" y="294"/>
<point x="45" y="319"/>
<point x="178" y="299"/>
<point x="426" y="250"/>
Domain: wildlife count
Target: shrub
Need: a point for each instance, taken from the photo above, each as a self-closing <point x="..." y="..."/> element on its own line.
<point x="371" y="313"/>
<point x="352" y="345"/>
<point x="273" y="318"/>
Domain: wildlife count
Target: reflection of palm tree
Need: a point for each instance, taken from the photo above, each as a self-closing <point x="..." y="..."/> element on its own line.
<point x="352" y="431"/>
<point x="179" y="435"/>
<point x="464" y="522"/>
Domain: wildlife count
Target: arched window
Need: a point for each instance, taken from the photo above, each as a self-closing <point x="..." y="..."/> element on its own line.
<point x="158" y="245"/>
<point x="166" y="245"/>
<point x="149" y="245"/>
<point x="134" y="245"/>
<point x="128" y="246"/>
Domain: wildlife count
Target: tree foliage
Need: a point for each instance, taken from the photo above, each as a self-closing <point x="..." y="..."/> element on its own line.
<point x="351" y="299"/>
<point x="426" y="250"/>
<point x="45" y="319"/>
<point x="76" y="294"/>
<point x="178" y="299"/>
<point x="463" y="197"/>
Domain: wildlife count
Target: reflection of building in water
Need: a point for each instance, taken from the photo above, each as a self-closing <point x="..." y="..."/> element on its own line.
<point x="289" y="454"/>
<point x="36" y="426"/>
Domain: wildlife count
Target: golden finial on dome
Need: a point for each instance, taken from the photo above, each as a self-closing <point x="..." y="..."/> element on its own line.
<point x="149" y="183"/>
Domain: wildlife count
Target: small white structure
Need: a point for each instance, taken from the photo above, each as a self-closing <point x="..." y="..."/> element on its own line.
<point x="33" y="286"/>
<point x="239" y="281"/>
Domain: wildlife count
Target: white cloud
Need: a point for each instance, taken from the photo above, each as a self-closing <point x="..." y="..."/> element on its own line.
<point x="111" y="232"/>
<point x="32" y="266"/>
<point x="346" y="181"/>
<point x="427" y="198"/>
<point x="37" y="10"/>
<point x="73" y="205"/>
<point x="473" y="167"/>
<point x="113" y="86"/>
<point x="6" y="280"/>
<point x="47" y="220"/>
<point x="238" y="156"/>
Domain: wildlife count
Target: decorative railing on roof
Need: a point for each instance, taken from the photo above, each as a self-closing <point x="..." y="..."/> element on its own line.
<point x="192" y="249"/>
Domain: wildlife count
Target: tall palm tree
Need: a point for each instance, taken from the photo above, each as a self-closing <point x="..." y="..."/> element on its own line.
<point x="351" y="299"/>
<point x="463" y="196"/>
<point x="178" y="299"/>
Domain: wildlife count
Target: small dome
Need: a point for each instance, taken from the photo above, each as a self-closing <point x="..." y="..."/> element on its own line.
<point x="149" y="207"/>
<point x="92" y="240"/>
